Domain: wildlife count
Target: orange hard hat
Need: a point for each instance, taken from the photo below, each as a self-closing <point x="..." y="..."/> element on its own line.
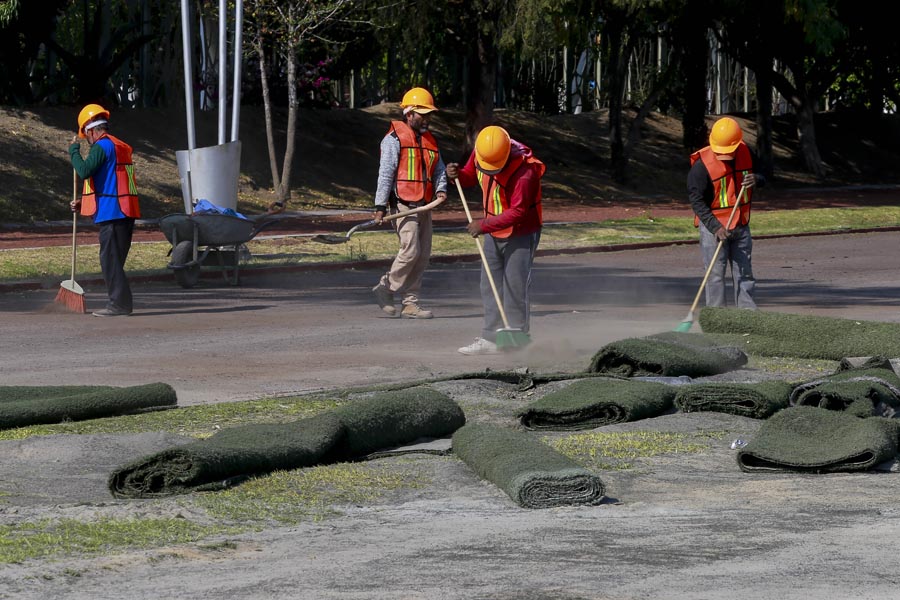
<point x="89" y="113"/>
<point x="492" y="149"/>
<point x="419" y="100"/>
<point x="725" y="136"/>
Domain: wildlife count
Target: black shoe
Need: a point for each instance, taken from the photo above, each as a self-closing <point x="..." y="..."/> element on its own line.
<point x="109" y="312"/>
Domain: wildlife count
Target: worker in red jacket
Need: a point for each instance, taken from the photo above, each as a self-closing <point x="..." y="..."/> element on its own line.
<point x="510" y="179"/>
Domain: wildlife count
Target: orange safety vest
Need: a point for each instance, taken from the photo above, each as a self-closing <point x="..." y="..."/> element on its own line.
<point x="493" y="189"/>
<point x="725" y="189"/>
<point x="125" y="187"/>
<point x="418" y="159"/>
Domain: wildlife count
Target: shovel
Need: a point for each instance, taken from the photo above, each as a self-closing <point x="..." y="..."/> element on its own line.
<point x="324" y="238"/>
<point x="688" y="321"/>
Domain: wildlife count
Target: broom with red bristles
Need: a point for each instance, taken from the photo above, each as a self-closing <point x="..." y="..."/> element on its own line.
<point x="70" y="293"/>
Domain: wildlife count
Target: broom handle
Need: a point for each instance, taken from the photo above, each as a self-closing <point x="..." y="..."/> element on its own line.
<point x="487" y="268"/>
<point x="716" y="253"/>
<point x="74" y="220"/>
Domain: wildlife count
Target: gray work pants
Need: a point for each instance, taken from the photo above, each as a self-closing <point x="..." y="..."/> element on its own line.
<point x="510" y="261"/>
<point x="736" y="250"/>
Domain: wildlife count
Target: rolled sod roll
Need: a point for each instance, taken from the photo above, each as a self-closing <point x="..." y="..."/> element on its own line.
<point x="230" y="456"/>
<point x="530" y="472"/>
<point x="399" y="417"/>
<point x="21" y="406"/>
<point x="818" y="440"/>
<point x="865" y="392"/>
<point x="755" y="400"/>
<point x="590" y="403"/>
<point x="805" y="336"/>
<point x="669" y="354"/>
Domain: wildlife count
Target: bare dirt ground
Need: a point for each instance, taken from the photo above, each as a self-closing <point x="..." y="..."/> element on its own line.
<point x="676" y="526"/>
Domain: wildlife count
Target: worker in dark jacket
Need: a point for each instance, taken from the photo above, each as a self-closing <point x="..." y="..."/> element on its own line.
<point x="721" y="175"/>
<point x="110" y="197"/>
<point x="510" y="179"/>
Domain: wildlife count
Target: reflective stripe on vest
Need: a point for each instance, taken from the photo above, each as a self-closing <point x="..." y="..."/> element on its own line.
<point x="725" y="188"/>
<point x="125" y="186"/>
<point x="418" y="159"/>
<point x="494" y="194"/>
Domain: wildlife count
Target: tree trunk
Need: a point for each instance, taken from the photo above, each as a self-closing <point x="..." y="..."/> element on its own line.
<point x="806" y="129"/>
<point x="618" y="62"/>
<point x="267" y="108"/>
<point x="695" y="134"/>
<point x="283" y="191"/>
<point x="482" y="78"/>
<point x="764" y="152"/>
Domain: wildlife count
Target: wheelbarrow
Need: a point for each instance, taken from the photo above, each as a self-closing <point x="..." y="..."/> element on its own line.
<point x="197" y="239"/>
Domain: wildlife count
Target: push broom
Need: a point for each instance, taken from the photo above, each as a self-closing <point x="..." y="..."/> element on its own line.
<point x="508" y="337"/>
<point x="70" y="293"/>
<point x="688" y="321"/>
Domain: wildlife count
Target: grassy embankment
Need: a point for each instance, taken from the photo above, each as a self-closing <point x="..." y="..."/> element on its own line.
<point x="52" y="264"/>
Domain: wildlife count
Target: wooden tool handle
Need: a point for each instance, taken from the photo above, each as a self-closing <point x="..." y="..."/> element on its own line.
<point x="487" y="268"/>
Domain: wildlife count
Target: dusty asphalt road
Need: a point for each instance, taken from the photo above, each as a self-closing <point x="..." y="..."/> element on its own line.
<point x="679" y="527"/>
<point x="292" y="332"/>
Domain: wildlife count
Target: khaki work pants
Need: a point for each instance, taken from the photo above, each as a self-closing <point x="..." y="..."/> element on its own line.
<point x="405" y="275"/>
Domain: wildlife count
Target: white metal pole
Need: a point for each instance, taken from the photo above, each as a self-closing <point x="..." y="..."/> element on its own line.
<point x="188" y="71"/>
<point x="238" y="61"/>
<point x="222" y="96"/>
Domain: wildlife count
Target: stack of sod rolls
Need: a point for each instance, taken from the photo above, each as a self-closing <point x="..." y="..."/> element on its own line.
<point x="232" y="455"/>
<point x="21" y="406"/>
<point x="667" y="354"/>
<point x="530" y="472"/>
<point x="590" y="403"/>
<point x="754" y="400"/>
<point x="818" y="440"/>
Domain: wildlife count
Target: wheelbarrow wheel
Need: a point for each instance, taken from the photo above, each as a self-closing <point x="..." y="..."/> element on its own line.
<point x="182" y="254"/>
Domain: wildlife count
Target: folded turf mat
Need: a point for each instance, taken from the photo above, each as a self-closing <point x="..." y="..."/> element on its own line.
<point x="670" y="354"/>
<point x="810" y="439"/>
<point x="755" y="400"/>
<point x="872" y="388"/>
<point x="41" y="405"/>
<point x="385" y="420"/>
<point x="532" y="473"/>
<point x="805" y="336"/>
<point x="590" y="403"/>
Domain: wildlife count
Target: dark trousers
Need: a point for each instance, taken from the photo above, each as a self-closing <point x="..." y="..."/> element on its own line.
<point x="115" y="242"/>
<point x="510" y="262"/>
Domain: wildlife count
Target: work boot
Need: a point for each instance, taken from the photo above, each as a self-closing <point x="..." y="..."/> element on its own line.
<point x="413" y="311"/>
<point x="479" y="346"/>
<point x="385" y="299"/>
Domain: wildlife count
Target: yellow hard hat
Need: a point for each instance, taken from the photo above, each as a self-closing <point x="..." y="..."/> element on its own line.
<point x="725" y="136"/>
<point x="492" y="149"/>
<point x="419" y="100"/>
<point x="88" y="114"/>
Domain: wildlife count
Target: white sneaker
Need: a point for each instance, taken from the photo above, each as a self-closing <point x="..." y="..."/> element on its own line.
<point x="480" y="346"/>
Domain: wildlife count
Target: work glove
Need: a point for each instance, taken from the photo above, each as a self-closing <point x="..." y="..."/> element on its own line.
<point x="379" y="214"/>
<point x="452" y="170"/>
<point x="722" y="234"/>
<point x="749" y="180"/>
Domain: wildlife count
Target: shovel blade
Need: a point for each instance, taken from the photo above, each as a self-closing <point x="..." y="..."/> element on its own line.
<point x="324" y="238"/>
<point x="69" y="284"/>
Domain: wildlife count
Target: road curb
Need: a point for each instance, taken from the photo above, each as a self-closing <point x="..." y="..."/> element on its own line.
<point x="32" y="285"/>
